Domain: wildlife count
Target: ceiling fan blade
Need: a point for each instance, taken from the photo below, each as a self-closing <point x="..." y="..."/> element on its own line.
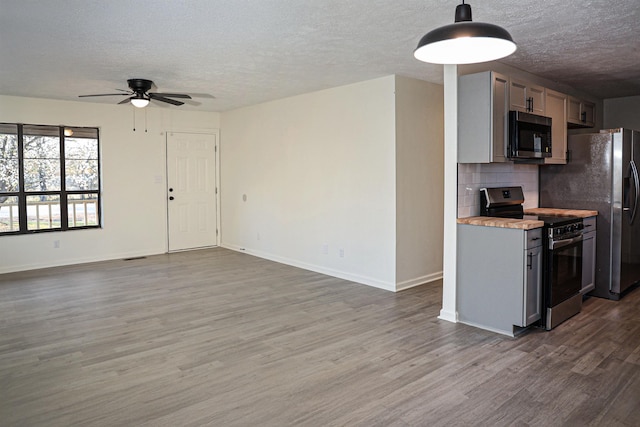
<point x="124" y="101"/>
<point x="105" y="94"/>
<point x="172" y="95"/>
<point x="163" y="99"/>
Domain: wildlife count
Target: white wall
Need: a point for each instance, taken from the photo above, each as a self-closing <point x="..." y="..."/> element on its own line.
<point x="419" y="181"/>
<point x="622" y="112"/>
<point x="133" y="181"/>
<point x="318" y="172"/>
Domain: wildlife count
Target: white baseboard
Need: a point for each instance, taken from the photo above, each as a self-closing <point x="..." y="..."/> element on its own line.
<point x="340" y="274"/>
<point x="418" y="281"/>
<point x="449" y="316"/>
<point x="318" y="269"/>
<point x="74" y="261"/>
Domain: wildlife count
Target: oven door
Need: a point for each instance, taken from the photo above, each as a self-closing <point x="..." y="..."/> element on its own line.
<point x="564" y="275"/>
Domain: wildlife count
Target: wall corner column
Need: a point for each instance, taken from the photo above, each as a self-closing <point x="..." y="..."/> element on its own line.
<point x="449" y="310"/>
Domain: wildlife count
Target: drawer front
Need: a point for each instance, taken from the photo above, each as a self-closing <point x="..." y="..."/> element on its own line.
<point x="589" y="224"/>
<point x="534" y="238"/>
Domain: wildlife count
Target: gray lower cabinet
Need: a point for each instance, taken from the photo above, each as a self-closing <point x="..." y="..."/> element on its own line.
<point x="499" y="277"/>
<point x="589" y="255"/>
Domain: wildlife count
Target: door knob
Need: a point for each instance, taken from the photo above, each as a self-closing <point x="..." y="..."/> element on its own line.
<point x="171" y="189"/>
<point x="170" y="197"/>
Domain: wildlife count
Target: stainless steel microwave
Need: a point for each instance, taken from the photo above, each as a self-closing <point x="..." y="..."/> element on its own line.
<point x="529" y="136"/>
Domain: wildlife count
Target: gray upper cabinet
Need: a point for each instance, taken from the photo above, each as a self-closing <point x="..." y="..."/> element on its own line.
<point x="484" y="101"/>
<point x="526" y="97"/>
<point x="580" y="113"/>
<point x="556" y="108"/>
<point x="483" y="107"/>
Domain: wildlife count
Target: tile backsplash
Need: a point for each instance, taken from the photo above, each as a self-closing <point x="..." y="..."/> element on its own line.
<point x="474" y="176"/>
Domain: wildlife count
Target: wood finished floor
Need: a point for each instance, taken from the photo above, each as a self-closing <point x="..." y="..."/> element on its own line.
<point x="220" y="338"/>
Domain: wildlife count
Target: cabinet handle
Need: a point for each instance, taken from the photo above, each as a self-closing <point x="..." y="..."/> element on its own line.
<point x="583" y="117"/>
<point x="535" y="238"/>
<point x="531" y="107"/>
<point x="530" y="261"/>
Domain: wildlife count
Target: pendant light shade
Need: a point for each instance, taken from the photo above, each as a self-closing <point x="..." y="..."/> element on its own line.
<point x="465" y="42"/>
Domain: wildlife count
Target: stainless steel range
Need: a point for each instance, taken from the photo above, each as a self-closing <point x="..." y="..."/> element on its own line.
<point x="562" y="258"/>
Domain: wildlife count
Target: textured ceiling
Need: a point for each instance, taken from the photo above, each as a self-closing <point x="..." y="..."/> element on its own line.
<point x="245" y="52"/>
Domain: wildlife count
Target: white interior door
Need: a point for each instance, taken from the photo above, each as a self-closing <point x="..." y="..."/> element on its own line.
<point x="191" y="190"/>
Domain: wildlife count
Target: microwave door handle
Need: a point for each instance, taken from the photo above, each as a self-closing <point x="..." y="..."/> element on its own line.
<point x="636" y="185"/>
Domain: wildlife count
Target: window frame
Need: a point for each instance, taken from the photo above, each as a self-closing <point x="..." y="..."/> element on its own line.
<point x="63" y="193"/>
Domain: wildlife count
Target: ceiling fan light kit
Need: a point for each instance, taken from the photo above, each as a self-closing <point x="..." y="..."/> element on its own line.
<point x="139" y="95"/>
<point x="465" y="42"/>
<point x="140" y="102"/>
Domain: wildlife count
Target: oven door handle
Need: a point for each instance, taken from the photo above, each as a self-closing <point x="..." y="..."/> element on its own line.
<point x="565" y="242"/>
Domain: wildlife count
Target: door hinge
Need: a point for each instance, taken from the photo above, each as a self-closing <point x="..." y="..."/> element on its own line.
<point x="216" y="231"/>
<point x="216" y="190"/>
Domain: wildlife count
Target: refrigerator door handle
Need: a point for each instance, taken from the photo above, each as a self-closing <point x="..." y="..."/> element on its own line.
<point x="636" y="182"/>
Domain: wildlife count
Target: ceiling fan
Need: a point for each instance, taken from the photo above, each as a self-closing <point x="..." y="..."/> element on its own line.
<point x="139" y="95"/>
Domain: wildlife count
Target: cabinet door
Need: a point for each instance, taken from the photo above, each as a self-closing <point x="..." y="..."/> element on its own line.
<point x="536" y="100"/>
<point x="532" y="308"/>
<point x="483" y="106"/>
<point x="500" y="112"/>
<point x="518" y="96"/>
<point x="581" y="113"/>
<point x="556" y="108"/>
<point x="573" y="110"/>
<point x="588" y="262"/>
<point x="588" y="113"/>
<point x="526" y="97"/>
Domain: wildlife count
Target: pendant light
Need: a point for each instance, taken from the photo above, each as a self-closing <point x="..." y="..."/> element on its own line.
<point x="465" y="42"/>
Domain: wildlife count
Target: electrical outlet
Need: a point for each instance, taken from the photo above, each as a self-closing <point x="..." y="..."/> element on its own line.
<point x="258" y="236"/>
<point x="325" y="249"/>
<point x="56" y="244"/>
<point x="341" y="253"/>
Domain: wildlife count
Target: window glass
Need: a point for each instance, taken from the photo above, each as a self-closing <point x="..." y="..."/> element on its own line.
<point x="9" y="217"/>
<point x="49" y="178"/>
<point x="9" y="175"/>
<point x="81" y="160"/>
<point x="83" y="209"/>
<point x="43" y="212"/>
<point x="41" y="160"/>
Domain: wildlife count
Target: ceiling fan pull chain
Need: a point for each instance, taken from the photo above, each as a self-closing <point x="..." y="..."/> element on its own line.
<point x="145" y="120"/>
<point x="133" y="110"/>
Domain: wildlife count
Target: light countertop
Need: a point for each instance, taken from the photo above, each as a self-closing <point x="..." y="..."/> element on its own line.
<point x="490" y="221"/>
<point x="580" y="213"/>
<point x="525" y="224"/>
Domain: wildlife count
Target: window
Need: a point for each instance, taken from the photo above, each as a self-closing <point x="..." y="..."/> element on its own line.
<point x="49" y="178"/>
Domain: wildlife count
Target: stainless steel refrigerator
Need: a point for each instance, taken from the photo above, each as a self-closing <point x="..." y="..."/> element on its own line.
<point x="602" y="175"/>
